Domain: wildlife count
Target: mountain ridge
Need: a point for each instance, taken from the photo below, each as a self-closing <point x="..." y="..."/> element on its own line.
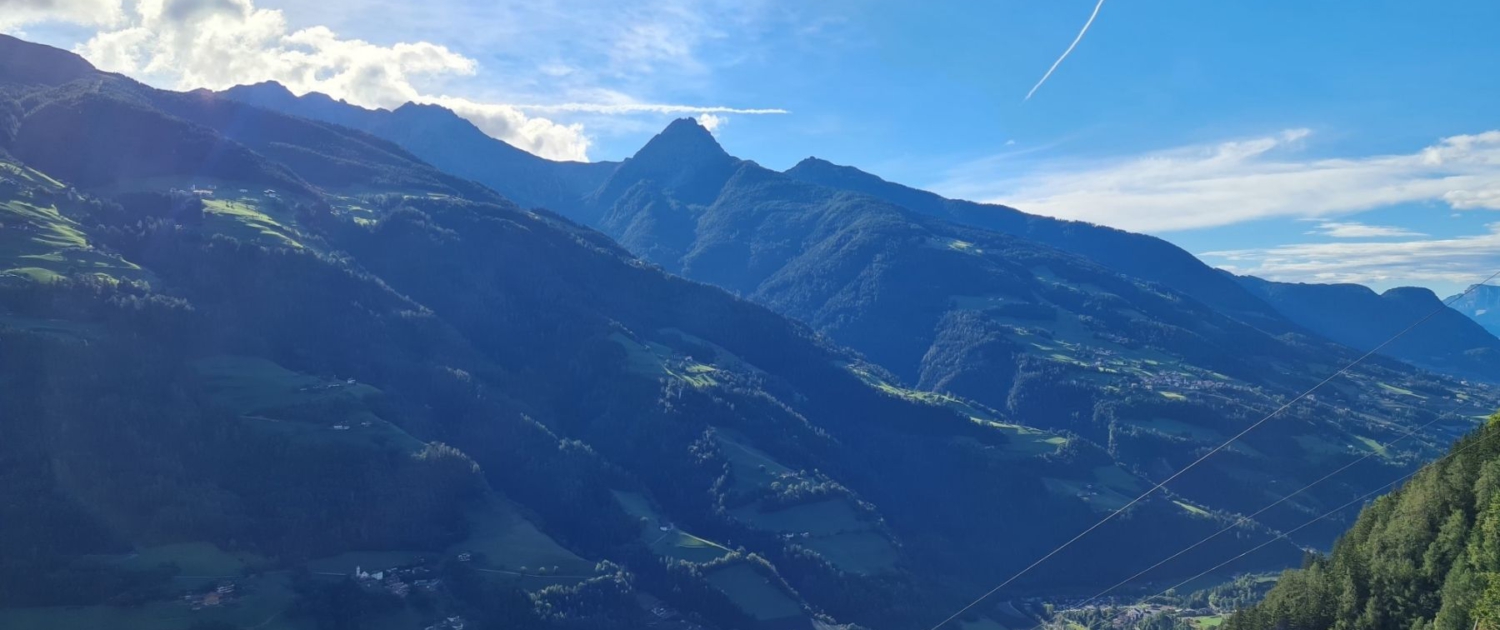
<point x="1138" y="255"/>
<point x="298" y="380"/>
<point x="446" y="140"/>
<point x="1357" y="316"/>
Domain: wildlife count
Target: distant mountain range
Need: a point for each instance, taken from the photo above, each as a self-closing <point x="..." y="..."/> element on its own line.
<point x="574" y="189"/>
<point x="1145" y="257"/>
<point x="1355" y="316"/>
<point x="1028" y="315"/>
<point x="447" y="141"/>
<point x="1482" y="304"/>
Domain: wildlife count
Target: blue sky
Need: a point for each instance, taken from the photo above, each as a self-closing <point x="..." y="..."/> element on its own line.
<point x="1309" y="141"/>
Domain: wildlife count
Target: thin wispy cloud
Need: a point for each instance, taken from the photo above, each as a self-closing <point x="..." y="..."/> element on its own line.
<point x="1202" y="186"/>
<point x="1355" y="229"/>
<point x="655" y="108"/>
<point x="1443" y="261"/>
<point x="1067" y="52"/>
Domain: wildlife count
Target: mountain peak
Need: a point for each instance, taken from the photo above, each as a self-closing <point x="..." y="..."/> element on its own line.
<point x="687" y="125"/>
<point x="36" y="64"/>
<point x="813" y="161"/>
<point x="264" y="94"/>
<point x="683" y="139"/>
<point x="684" y="159"/>
<point x="818" y="170"/>
<point x="267" y="88"/>
<point x="1419" y="295"/>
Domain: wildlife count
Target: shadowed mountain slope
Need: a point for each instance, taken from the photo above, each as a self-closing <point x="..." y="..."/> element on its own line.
<point x="447" y="141"/>
<point x="369" y="371"/>
<point x="1145" y="257"/>
<point x="1360" y="318"/>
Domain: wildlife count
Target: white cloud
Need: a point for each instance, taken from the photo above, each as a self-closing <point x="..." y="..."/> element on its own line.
<point x="221" y="43"/>
<point x="537" y="135"/>
<point x="17" y="13"/>
<point x="654" y="108"/>
<point x="217" y="44"/>
<point x="1244" y="180"/>
<point x="1446" y="262"/>
<point x="1355" y="229"/>
<point x="712" y="122"/>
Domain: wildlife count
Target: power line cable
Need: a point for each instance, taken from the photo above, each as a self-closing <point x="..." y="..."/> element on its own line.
<point x="1249" y="518"/>
<point x="1242" y="520"/>
<point x="1111" y="516"/>
<point x="1336" y="510"/>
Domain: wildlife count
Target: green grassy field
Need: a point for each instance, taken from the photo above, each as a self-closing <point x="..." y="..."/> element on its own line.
<point x="1399" y="390"/>
<point x="819" y="519"/>
<point x="1206" y="621"/>
<point x="754" y="594"/>
<point x="55" y="327"/>
<point x="857" y="548"/>
<point x="1100" y="497"/>
<point x="1025" y="441"/>
<point x="982" y="623"/>
<point x="656" y="360"/>
<point x="264" y="393"/>
<point x="505" y="543"/>
<point x="251" y="385"/>
<point x="751" y="467"/>
<point x="1179" y="429"/>
<point x="39" y="243"/>
<point x="194" y="559"/>
<point x="672" y="543"/>
<point x="1193" y="509"/>
<point x="506" y="540"/>
<point x="245" y="218"/>
<point x="261" y="605"/>
<point x="862" y="552"/>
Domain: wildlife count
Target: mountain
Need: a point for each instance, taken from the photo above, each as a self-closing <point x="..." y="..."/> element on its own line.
<point x="1145" y="257"/>
<point x="1051" y="339"/>
<point x="1046" y="337"/>
<point x="1481" y="305"/>
<point x="217" y="392"/>
<point x="445" y="140"/>
<point x="1360" y="318"/>
<point x="712" y="448"/>
<point x="1423" y="556"/>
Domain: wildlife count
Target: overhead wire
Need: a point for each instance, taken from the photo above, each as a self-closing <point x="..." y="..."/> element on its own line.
<point x="1257" y="424"/>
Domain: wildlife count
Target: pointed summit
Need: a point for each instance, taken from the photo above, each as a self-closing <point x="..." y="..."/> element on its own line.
<point x="683" y="139"/>
<point x="684" y="160"/>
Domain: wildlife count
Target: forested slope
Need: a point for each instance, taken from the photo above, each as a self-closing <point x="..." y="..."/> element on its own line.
<point x="1424" y="556"/>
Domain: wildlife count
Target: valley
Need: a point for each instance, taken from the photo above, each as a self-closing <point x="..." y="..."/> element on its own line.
<point x="279" y="362"/>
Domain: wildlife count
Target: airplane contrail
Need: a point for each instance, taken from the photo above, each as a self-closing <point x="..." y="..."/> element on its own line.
<point x="1065" y="54"/>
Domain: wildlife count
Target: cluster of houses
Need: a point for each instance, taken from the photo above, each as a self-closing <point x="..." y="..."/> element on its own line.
<point x="1179" y="381"/>
<point x="202" y="192"/>
<point x="334" y="384"/>
<point x="344" y="426"/>
<point x="207" y="191"/>
<point x="219" y="595"/>
<point x="399" y="581"/>
<point x="1124" y="612"/>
